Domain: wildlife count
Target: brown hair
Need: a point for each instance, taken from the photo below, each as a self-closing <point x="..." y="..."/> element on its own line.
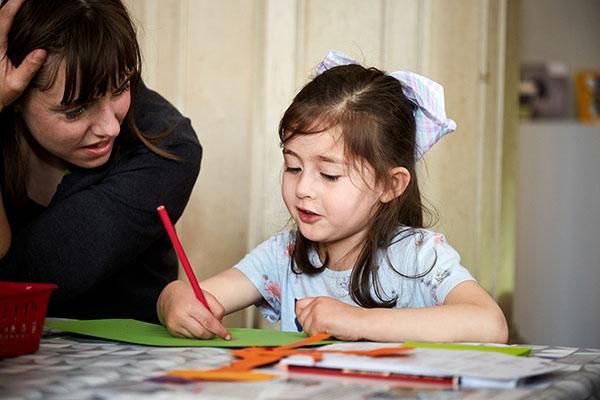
<point x="96" y="41"/>
<point x="378" y="128"/>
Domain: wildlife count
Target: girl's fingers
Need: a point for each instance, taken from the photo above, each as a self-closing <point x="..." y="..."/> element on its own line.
<point x="184" y="333"/>
<point x="200" y="323"/>
<point x="303" y="313"/>
<point x="213" y="327"/>
<point x="180" y="332"/>
<point x="304" y="303"/>
<point x="185" y="316"/>
<point x="197" y="330"/>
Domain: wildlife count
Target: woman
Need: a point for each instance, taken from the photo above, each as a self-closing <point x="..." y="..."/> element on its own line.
<point x="88" y="153"/>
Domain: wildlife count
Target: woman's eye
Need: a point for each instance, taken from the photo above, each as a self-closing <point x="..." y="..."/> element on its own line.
<point x="293" y="170"/>
<point x="122" y="89"/>
<point x="331" y="178"/>
<point x="75" y="113"/>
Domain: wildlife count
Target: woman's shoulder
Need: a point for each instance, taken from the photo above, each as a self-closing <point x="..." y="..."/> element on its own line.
<point x="157" y="118"/>
<point x="154" y="114"/>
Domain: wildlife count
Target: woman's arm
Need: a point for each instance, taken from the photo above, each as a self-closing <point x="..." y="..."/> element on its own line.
<point x="183" y="314"/>
<point x="468" y="314"/>
<point x="13" y="81"/>
<point x="5" y="233"/>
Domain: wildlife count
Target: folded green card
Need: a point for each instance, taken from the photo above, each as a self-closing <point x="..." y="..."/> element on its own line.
<point x="506" y="349"/>
<point x="132" y="331"/>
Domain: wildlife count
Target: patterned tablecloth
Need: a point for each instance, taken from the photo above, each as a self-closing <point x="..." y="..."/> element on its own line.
<point x="70" y="367"/>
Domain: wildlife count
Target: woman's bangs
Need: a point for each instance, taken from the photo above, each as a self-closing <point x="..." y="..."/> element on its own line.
<point x="98" y="61"/>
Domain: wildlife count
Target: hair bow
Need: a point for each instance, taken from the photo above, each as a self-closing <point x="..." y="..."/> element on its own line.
<point x="430" y="115"/>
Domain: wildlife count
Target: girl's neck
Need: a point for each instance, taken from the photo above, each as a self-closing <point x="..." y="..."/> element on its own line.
<point x="340" y="258"/>
<point x="44" y="174"/>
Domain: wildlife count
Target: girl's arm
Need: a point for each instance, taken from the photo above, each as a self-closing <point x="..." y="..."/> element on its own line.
<point x="468" y="314"/>
<point x="183" y="315"/>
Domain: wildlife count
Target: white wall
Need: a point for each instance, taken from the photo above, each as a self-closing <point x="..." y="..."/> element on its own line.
<point x="558" y="225"/>
<point x="558" y="256"/>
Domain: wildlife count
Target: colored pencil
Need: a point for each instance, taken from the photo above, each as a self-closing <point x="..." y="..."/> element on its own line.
<point x="162" y="211"/>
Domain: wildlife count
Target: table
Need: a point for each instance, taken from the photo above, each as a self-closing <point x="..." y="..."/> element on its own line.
<point x="74" y="367"/>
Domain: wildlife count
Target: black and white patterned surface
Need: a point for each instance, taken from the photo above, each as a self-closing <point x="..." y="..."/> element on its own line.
<point x="71" y="367"/>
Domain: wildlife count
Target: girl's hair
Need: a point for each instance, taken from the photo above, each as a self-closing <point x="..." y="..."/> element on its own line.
<point x="96" y="42"/>
<point x="378" y="129"/>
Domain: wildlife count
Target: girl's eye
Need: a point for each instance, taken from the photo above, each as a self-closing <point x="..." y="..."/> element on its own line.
<point x="75" y="113"/>
<point x="292" y="170"/>
<point x="331" y="178"/>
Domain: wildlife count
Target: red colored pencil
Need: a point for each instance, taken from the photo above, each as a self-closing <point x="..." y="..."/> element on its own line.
<point x="162" y="211"/>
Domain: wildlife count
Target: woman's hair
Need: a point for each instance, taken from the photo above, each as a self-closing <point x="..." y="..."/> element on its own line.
<point x="96" y="42"/>
<point x="378" y="129"/>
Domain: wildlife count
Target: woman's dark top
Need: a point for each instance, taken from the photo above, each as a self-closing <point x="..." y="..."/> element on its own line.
<point x="100" y="239"/>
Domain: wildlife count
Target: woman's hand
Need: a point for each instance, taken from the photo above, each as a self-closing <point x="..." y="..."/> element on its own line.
<point x="184" y="316"/>
<point x="329" y="315"/>
<point x="14" y="80"/>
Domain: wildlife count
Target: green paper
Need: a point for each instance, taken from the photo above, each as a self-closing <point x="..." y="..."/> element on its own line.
<point x="510" y="350"/>
<point x="138" y="332"/>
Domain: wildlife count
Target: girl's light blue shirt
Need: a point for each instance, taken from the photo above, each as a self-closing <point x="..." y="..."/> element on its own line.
<point x="268" y="268"/>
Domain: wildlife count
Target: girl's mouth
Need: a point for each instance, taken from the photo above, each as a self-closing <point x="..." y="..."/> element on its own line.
<point x="308" y="217"/>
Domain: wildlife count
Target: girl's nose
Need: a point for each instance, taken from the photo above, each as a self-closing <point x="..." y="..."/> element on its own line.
<point x="305" y="187"/>
<point x="105" y="123"/>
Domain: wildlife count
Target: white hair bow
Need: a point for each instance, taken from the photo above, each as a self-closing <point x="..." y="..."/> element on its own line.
<point x="430" y="115"/>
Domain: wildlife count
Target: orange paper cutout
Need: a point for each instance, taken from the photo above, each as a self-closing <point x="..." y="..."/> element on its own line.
<point x="254" y="357"/>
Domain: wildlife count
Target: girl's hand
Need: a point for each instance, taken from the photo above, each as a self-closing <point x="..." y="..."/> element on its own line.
<point x="329" y="315"/>
<point x="14" y="80"/>
<point x="184" y="316"/>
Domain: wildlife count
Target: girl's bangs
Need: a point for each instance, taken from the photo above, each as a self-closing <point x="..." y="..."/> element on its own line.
<point x="307" y="122"/>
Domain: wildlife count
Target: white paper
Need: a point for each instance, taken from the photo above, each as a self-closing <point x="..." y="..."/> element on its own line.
<point x="478" y="368"/>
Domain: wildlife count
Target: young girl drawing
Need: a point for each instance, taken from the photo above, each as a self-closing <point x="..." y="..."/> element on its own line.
<point x="359" y="263"/>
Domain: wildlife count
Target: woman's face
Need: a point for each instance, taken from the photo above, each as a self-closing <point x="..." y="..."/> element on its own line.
<point x="80" y="134"/>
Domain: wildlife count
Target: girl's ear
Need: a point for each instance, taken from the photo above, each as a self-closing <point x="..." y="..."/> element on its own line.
<point x="400" y="180"/>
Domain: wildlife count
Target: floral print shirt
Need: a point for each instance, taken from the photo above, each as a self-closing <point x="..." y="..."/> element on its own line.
<point x="419" y="271"/>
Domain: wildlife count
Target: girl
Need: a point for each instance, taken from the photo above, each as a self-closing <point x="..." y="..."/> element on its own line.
<point x="358" y="264"/>
<point x="87" y="154"/>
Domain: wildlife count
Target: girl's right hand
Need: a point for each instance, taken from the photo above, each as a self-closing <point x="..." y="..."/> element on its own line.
<point x="184" y="316"/>
<point x="14" y="80"/>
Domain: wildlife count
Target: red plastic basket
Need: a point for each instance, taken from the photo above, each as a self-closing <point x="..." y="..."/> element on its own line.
<point x="23" y="309"/>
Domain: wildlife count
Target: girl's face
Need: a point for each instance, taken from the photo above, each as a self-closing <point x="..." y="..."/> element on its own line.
<point x="82" y="135"/>
<point x="331" y="201"/>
